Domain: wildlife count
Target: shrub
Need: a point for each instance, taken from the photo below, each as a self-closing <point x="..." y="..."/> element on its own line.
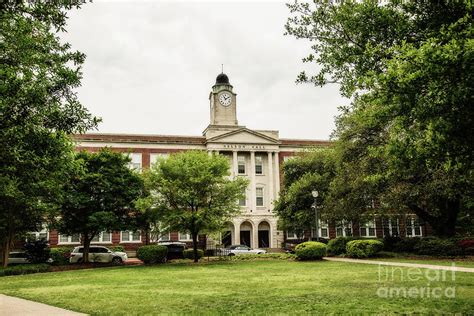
<point x="406" y="244"/>
<point x="433" y="246"/>
<point x="117" y="248"/>
<point x="37" y="251"/>
<point x="60" y="255"/>
<point x="24" y="269"/>
<point x="310" y="250"/>
<point x="363" y="248"/>
<point x="389" y="242"/>
<point x="152" y="253"/>
<point x="189" y="253"/>
<point x="265" y="256"/>
<point x="467" y="245"/>
<point x="337" y="246"/>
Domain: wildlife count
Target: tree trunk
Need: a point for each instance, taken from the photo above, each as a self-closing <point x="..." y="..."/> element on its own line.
<point x="195" y="246"/>
<point x="6" y="251"/>
<point x="87" y="242"/>
<point x="443" y="225"/>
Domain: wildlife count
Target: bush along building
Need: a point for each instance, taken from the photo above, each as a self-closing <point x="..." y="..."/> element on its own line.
<point x="254" y="154"/>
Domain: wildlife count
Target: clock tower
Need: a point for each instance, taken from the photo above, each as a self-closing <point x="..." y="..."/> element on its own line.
<point x="223" y="102"/>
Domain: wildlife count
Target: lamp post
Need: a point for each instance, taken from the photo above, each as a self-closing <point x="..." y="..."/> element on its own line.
<point x="315" y="194"/>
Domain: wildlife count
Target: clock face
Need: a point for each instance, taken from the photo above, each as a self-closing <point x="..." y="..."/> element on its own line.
<point x="225" y="99"/>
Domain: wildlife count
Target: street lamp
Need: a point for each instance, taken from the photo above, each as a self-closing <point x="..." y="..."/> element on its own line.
<point x="315" y="194"/>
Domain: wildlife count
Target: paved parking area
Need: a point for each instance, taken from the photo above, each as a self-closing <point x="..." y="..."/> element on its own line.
<point x="13" y="306"/>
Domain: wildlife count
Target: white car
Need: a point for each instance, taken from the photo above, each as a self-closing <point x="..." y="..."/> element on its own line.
<point x="98" y="254"/>
<point x="237" y="250"/>
<point x="20" y="257"/>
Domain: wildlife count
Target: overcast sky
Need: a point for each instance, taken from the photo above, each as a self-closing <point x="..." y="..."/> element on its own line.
<point x="151" y="64"/>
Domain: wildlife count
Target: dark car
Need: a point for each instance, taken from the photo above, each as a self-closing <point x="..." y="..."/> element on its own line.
<point x="175" y="249"/>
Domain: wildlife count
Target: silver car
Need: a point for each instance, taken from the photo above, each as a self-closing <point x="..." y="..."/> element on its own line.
<point x="98" y="254"/>
<point x="237" y="250"/>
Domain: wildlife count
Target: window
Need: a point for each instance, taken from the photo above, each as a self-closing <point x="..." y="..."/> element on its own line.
<point x="136" y="161"/>
<point x="390" y="227"/>
<point x="291" y="235"/>
<point x="130" y="236"/>
<point x="39" y="235"/>
<point x="157" y="156"/>
<point x="367" y="229"/>
<point x="259" y="196"/>
<point x="343" y="229"/>
<point x="243" y="201"/>
<point x="258" y="165"/>
<point x="185" y="237"/>
<point x="413" y="227"/>
<point x="287" y="158"/>
<point x="241" y="165"/>
<point x="323" y="229"/>
<point x="164" y="237"/>
<point x="65" y="239"/>
<point x="105" y="237"/>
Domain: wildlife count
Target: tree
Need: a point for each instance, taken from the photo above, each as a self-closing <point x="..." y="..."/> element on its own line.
<point x="100" y="197"/>
<point x="38" y="109"/>
<point x="192" y="192"/>
<point x="406" y="140"/>
<point x="303" y="174"/>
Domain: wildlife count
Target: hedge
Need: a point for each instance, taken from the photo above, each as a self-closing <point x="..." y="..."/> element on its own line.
<point x="363" y="248"/>
<point x="24" y="269"/>
<point x="337" y="246"/>
<point x="438" y="247"/>
<point x="310" y="250"/>
<point x="152" y="254"/>
<point x="189" y="253"/>
<point x="60" y="255"/>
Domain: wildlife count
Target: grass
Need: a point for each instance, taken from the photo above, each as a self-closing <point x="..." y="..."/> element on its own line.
<point x="467" y="263"/>
<point x="240" y="287"/>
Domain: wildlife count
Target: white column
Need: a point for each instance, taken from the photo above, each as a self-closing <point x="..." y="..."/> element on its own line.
<point x="236" y="236"/>
<point x="252" y="182"/>
<point x="235" y="170"/>
<point x="254" y="240"/>
<point x="271" y="181"/>
<point x="277" y="176"/>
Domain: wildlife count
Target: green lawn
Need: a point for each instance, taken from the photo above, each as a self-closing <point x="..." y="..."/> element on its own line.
<point x="263" y="286"/>
<point x="467" y="263"/>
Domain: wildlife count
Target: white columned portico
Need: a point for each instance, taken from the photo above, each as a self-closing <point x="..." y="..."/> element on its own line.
<point x="277" y="176"/>
<point x="271" y="197"/>
<point x="236" y="240"/>
<point x="235" y="171"/>
<point x="252" y="181"/>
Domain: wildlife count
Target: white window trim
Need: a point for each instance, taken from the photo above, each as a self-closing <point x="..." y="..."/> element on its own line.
<point x="244" y="160"/>
<point x="101" y="239"/>
<point x="293" y="236"/>
<point x="131" y="163"/>
<point x="366" y="226"/>
<point x="43" y="230"/>
<point x="185" y="239"/>
<point x="131" y="241"/>
<point x="164" y="240"/>
<point x="344" y="225"/>
<point x="412" y="227"/>
<point x="263" y="165"/>
<point x="263" y="196"/>
<point x="321" y="225"/>
<point x="155" y="157"/>
<point x="390" y="226"/>
<point x="69" y="242"/>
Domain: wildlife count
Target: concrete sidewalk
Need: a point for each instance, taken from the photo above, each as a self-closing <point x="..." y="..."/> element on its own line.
<point x="403" y="264"/>
<point x="13" y="306"/>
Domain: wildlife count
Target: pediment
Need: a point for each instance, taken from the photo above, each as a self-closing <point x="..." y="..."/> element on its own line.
<point x="243" y="136"/>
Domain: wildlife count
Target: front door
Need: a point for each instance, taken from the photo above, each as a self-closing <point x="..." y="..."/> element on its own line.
<point x="263" y="239"/>
<point x="245" y="237"/>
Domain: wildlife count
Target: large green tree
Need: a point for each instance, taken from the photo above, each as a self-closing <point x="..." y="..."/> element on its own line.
<point x="192" y="192"/>
<point x="99" y="197"/>
<point x="406" y="141"/>
<point x="303" y="174"/>
<point x="38" y="109"/>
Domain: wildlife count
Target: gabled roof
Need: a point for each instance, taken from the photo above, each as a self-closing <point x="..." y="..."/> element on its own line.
<point x="251" y="135"/>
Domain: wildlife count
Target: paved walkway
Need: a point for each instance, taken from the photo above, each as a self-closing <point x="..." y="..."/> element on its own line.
<point x="12" y="306"/>
<point x="403" y="264"/>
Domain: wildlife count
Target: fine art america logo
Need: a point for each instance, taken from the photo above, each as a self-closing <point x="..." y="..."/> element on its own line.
<point x="397" y="282"/>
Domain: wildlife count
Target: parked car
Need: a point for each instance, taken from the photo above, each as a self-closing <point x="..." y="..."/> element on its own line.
<point x="20" y="257"/>
<point x="175" y="249"/>
<point x="98" y="254"/>
<point x="236" y="250"/>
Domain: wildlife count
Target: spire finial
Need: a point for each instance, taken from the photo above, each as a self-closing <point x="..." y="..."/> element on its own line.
<point x="222" y="68"/>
